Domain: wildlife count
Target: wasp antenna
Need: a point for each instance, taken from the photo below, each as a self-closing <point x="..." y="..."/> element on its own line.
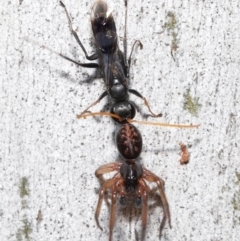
<point x="163" y="124"/>
<point x="100" y="114"/>
<point x="136" y="121"/>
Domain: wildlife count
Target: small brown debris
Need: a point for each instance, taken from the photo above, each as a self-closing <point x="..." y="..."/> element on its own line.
<point x="39" y="216"/>
<point x="185" y="155"/>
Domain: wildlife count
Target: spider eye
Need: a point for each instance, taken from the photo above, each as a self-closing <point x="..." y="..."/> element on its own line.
<point x="138" y="202"/>
<point x="123" y="201"/>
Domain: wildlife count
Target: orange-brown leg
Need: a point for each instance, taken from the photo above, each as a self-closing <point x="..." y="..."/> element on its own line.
<point x="108" y="184"/>
<point x="143" y="190"/>
<point x="145" y="102"/>
<point x="118" y="186"/>
<point x="112" y="215"/>
<point x="104" y="94"/>
<point x="151" y="177"/>
<point x="110" y="167"/>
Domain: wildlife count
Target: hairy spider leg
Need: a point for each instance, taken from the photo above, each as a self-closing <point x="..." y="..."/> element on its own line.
<point x="143" y="191"/>
<point x="151" y="177"/>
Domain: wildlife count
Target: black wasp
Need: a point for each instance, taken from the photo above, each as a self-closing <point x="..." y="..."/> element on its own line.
<point x="112" y="61"/>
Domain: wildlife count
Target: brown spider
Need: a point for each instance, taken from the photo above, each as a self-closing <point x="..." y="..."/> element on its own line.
<point x="130" y="178"/>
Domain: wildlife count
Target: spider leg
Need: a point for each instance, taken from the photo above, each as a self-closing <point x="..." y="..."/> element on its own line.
<point x="118" y="186"/>
<point x="108" y="184"/>
<point x="110" y="167"/>
<point x="151" y="177"/>
<point x="143" y="190"/>
<point x="112" y="215"/>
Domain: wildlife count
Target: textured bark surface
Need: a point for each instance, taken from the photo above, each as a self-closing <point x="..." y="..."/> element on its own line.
<point x="48" y="157"/>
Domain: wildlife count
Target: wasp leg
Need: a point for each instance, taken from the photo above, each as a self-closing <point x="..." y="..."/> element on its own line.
<point x="94" y="103"/>
<point x="145" y="102"/>
<point x="130" y="57"/>
<point x="91" y="57"/>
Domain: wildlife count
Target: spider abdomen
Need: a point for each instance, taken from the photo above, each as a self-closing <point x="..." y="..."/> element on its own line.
<point x="129" y="141"/>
